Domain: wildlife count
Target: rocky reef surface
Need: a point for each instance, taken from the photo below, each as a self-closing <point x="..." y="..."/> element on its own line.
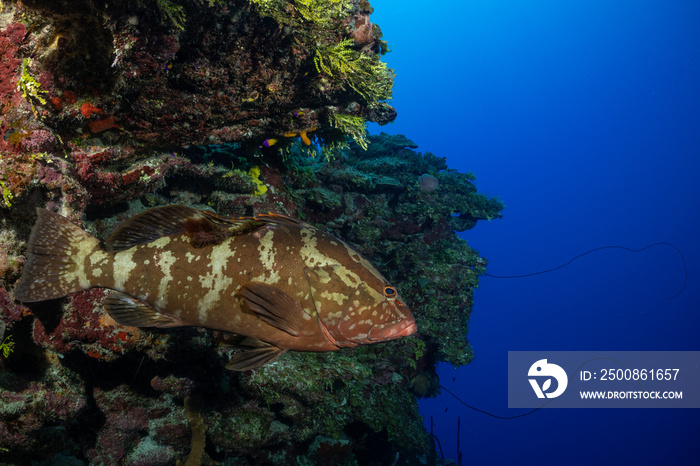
<point x="110" y="108"/>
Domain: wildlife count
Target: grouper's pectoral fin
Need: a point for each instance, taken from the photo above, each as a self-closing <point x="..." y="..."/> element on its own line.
<point x="273" y="306"/>
<point x="258" y="354"/>
<point x="133" y="312"/>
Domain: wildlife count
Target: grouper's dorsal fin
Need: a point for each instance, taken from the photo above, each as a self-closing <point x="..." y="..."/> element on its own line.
<point x="150" y="225"/>
<point x="279" y="219"/>
<point x="234" y="225"/>
<point x="244" y="224"/>
<point x="203" y="228"/>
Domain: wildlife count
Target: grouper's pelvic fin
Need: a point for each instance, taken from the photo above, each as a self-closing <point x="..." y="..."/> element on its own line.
<point x="56" y="251"/>
<point x="256" y="353"/>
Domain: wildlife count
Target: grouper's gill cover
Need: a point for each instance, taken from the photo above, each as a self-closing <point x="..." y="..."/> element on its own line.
<point x="278" y="282"/>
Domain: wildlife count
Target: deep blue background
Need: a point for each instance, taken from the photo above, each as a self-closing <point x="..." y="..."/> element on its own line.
<point x="584" y="118"/>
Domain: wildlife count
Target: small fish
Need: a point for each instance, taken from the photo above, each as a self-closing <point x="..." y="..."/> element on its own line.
<point x="269" y="142"/>
<point x="277" y="281"/>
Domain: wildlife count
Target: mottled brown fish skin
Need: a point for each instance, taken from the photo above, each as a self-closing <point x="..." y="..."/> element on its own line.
<point x="199" y="285"/>
<point x="206" y="274"/>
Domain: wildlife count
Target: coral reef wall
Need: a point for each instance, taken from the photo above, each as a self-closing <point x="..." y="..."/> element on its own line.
<point x="162" y="72"/>
<point x="110" y="108"/>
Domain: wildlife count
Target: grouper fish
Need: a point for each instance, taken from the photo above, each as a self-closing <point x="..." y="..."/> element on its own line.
<point x="276" y="281"/>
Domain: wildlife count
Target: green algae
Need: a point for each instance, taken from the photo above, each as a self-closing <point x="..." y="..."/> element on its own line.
<point x="367" y="75"/>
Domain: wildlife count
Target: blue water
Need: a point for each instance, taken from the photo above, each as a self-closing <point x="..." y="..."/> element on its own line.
<point x="584" y="117"/>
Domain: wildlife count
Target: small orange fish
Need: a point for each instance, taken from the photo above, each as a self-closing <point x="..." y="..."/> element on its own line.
<point x="279" y="282"/>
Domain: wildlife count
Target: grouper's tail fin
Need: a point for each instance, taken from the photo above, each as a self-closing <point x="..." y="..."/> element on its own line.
<point x="56" y="254"/>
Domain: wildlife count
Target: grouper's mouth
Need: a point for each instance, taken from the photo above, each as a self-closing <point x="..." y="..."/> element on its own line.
<point x="393" y="331"/>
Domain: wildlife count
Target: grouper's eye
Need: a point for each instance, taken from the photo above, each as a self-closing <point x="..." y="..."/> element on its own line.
<point x="390" y="292"/>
